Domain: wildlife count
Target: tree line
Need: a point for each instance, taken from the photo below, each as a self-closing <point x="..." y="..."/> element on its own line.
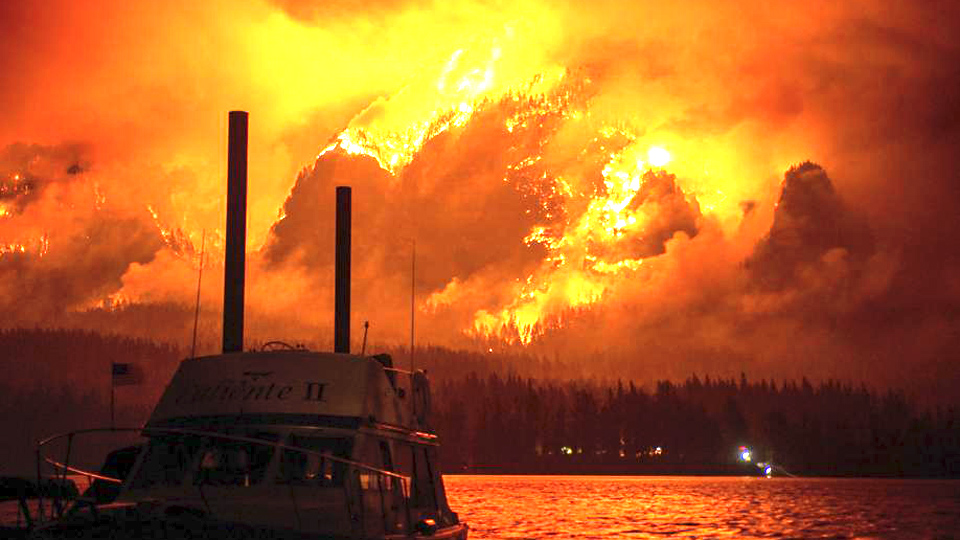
<point x="506" y="413"/>
<point x="512" y="424"/>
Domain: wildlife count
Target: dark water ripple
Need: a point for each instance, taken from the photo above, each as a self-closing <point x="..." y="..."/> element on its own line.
<point x="693" y="507"/>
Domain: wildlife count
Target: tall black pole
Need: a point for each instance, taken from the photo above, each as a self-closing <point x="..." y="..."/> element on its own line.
<point x="341" y="322"/>
<point x="236" y="241"/>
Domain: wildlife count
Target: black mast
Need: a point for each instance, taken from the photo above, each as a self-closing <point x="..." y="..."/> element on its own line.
<point x="236" y="241"/>
<point x="341" y="323"/>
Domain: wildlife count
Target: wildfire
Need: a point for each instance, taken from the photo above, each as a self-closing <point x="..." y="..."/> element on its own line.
<point x="112" y="302"/>
<point x="598" y="192"/>
<point x="180" y="242"/>
<point x="394" y="149"/>
<point x="597" y="218"/>
<point x="15" y="186"/>
<point x="12" y="248"/>
<point x="582" y="255"/>
<point x="466" y="82"/>
<point x="40" y="247"/>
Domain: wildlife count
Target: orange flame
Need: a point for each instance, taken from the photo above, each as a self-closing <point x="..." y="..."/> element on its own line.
<point x="582" y="260"/>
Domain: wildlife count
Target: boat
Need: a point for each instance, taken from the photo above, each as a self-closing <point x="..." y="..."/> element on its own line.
<point x="280" y="442"/>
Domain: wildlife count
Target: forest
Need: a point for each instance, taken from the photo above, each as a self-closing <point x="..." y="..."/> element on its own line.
<point x="516" y="425"/>
<point x="506" y="413"/>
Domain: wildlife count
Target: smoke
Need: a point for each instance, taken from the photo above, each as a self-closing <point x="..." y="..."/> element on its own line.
<point x="65" y="256"/>
<point x="517" y="146"/>
<point x="28" y="170"/>
<point x="811" y="225"/>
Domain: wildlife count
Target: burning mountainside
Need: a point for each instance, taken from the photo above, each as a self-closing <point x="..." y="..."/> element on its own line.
<point x="575" y="181"/>
<point x="585" y="207"/>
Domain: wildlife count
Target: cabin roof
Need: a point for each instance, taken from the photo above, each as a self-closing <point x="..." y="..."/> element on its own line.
<point x="275" y="384"/>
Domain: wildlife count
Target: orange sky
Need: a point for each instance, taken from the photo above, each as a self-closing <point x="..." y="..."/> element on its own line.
<point x="514" y="141"/>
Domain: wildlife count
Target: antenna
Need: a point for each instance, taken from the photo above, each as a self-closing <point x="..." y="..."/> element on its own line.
<point x="196" y="313"/>
<point x="413" y="296"/>
<point x="366" y="326"/>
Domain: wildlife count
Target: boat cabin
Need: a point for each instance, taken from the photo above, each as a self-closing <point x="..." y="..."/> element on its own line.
<point x="317" y="443"/>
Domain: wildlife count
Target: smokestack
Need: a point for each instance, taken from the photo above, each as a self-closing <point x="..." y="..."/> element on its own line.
<point x="341" y="322"/>
<point x="236" y="242"/>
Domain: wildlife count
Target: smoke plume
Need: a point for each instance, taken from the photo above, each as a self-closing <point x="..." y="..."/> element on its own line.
<point x="646" y="190"/>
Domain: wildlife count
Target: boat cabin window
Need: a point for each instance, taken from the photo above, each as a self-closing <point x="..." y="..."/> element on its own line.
<point x="170" y="459"/>
<point x="314" y="467"/>
<point x="413" y="460"/>
<point x="380" y="458"/>
<point x="167" y="461"/>
<point x="225" y="462"/>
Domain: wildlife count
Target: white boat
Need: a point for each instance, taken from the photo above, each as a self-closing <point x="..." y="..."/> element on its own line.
<point x="280" y="444"/>
<point x="277" y="443"/>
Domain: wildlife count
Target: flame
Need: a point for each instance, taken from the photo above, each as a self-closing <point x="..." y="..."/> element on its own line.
<point x="44" y="245"/>
<point x="12" y="248"/>
<point x="14" y="187"/>
<point x="659" y="157"/>
<point x="467" y="79"/>
<point x="168" y="233"/>
<point x="182" y="244"/>
<point x="100" y="199"/>
<point x="40" y="247"/>
<point x="586" y="212"/>
<point x="577" y="272"/>
<point x="582" y="223"/>
<point x="111" y="302"/>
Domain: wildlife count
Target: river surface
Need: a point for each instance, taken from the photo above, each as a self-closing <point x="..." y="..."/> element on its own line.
<point x="704" y="507"/>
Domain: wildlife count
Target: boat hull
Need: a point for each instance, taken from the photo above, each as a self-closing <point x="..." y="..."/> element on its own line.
<point x="171" y="529"/>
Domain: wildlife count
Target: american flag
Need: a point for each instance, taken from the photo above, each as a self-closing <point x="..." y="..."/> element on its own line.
<point x="126" y="374"/>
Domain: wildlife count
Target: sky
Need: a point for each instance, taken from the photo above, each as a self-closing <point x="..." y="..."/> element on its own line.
<point x="650" y="190"/>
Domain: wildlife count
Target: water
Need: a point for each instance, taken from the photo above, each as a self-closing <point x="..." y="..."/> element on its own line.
<point x="694" y="507"/>
<point x="697" y="507"/>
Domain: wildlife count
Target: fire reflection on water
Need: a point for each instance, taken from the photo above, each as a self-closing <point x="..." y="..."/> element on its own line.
<point x="703" y="507"/>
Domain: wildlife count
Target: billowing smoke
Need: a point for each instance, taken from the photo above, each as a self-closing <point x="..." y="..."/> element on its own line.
<point x="623" y="186"/>
<point x="28" y="170"/>
<point x="811" y="226"/>
<point x="64" y="256"/>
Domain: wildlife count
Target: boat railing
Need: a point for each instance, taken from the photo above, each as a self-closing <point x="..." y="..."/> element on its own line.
<point x="59" y="498"/>
<point x="359" y="474"/>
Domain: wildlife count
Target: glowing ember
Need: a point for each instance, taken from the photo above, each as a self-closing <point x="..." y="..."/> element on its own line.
<point x="12" y="248"/>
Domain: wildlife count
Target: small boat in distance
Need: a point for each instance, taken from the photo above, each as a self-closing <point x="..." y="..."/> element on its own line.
<point x="277" y="443"/>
